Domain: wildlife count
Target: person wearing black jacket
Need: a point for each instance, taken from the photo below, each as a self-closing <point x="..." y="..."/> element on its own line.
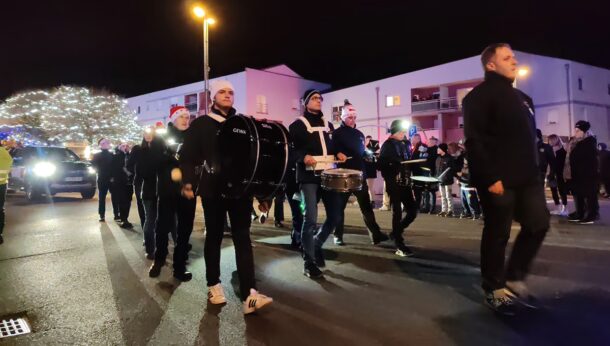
<point x="200" y="164"/>
<point x="555" y="178"/>
<point x="174" y="210"/>
<point x="430" y="195"/>
<point x="500" y="129"/>
<point x="370" y="165"/>
<point x="581" y="173"/>
<point x="393" y="151"/>
<point x="445" y="172"/>
<point x="312" y="143"/>
<point x="604" y="167"/>
<point x="122" y="185"/>
<point x="350" y="141"/>
<point x="132" y="168"/>
<point x="545" y="155"/>
<point x="102" y="162"/>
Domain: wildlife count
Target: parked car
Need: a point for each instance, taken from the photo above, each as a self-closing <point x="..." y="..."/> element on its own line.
<point x="50" y="170"/>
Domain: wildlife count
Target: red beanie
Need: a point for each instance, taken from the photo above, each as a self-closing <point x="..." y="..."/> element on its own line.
<point x="176" y="111"/>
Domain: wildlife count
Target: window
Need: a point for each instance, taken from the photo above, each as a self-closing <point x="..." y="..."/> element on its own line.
<point x="579" y="83"/>
<point x="608" y="89"/>
<point x="138" y="109"/>
<point x="190" y="102"/>
<point x="337" y="113"/>
<point x="261" y="104"/>
<point x="392" y="101"/>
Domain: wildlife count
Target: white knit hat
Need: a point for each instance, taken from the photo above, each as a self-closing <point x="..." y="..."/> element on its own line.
<point x="348" y="110"/>
<point x="218" y="85"/>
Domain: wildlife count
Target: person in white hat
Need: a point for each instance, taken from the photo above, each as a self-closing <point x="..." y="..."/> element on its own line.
<point x="201" y="146"/>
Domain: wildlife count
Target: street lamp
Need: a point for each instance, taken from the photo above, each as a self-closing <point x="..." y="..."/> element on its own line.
<point x="199" y="12"/>
<point x="522" y="72"/>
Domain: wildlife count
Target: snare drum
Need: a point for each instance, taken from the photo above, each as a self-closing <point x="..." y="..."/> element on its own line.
<point x="424" y="183"/>
<point x="342" y="180"/>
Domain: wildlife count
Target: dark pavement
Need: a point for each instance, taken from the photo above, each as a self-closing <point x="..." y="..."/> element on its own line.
<point x="79" y="281"/>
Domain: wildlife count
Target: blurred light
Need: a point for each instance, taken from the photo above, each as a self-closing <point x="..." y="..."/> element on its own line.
<point x="171" y="141"/>
<point x="522" y="72"/>
<point x="405" y="124"/>
<point x="211" y="21"/>
<point x="161" y="131"/>
<point x="199" y="12"/>
<point x="44" y="169"/>
<point x="91" y="170"/>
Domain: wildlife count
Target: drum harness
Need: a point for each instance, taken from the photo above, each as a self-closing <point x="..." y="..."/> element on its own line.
<point x="320" y="130"/>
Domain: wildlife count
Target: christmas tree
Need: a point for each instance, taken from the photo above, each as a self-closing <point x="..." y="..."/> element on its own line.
<point x="68" y="114"/>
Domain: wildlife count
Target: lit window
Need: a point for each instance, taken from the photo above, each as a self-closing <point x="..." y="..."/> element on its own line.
<point x="392" y="101"/>
<point x="261" y="104"/>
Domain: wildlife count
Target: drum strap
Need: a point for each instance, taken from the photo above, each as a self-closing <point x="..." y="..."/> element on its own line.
<point x="320" y="130"/>
<point x="218" y="118"/>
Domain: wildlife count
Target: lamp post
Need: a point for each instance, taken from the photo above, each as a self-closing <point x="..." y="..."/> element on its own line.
<point x="521" y="73"/>
<point x="200" y="13"/>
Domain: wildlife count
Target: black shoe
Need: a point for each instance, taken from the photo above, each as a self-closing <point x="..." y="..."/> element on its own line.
<point x="381" y="237"/>
<point x="278" y="224"/>
<point x="150" y="256"/>
<point x="319" y="258"/>
<point x="1" y="239"/>
<point x="295" y="244"/>
<point x="183" y="275"/>
<point x="448" y="214"/>
<point x="587" y="221"/>
<point x="117" y="218"/>
<point x="518" y="291"/>
<point x="313" y="272"/>
<point x="502" y="304"/>
<point x="126" y="225"/>
<point x="442" y="214"/>
<point x="465" y="216"/>
<point x="155" y="270"/>
<point x="403" y="251"/>
<point x="574" y="219"/>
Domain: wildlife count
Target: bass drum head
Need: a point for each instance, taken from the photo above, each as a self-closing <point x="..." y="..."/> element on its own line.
<point x="238" y="155"/>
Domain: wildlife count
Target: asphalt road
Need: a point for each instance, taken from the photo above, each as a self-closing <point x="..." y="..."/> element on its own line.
<point x="79" y="281"/>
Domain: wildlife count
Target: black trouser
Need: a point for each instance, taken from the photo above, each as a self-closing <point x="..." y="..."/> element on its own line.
<point x="215" y="212"/>
<point x="103" y="187"/>
<point x="124" y="195"/>
<point x="401" y="195"/>
<point x="2" y="200"/>
<point x="174" y="212"/>
<point x="561" y="190"/>
<point x="526" y="205"/>
<point x="366" y="208"/>
<point x="587" y="205"/>
<point x="278" y="208"/>
<point x="141" y="213"/>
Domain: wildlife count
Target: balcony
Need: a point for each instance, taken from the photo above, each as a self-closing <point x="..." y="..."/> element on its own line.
<point x="450" y="103"/>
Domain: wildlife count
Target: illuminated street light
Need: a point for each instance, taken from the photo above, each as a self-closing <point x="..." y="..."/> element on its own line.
<point x="200" y="13"/>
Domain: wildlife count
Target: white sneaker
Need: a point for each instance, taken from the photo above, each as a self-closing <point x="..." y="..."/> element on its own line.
<point x="384" y="208"/>
<point x="216" y="295"/>
<point x="256" y="301"/>
<point x="557" y="210"/>
<point x="564" y="211"/>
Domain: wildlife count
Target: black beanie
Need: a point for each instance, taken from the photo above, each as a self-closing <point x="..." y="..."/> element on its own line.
<point x="443" y="147"/>
<point x="396" y="126"/>
<point x="582" y="125"/>
<point x="308" y="94"/>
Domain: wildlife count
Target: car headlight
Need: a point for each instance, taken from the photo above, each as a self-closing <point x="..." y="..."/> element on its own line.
<point x="91" y="170"/>
<point x="44" y="169"/>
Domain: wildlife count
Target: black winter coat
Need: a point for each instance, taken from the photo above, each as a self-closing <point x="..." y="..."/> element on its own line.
<point x="200" y="159"/>
<point x="119" y="174"/>
<point x="557" y="163"/>
<point x="350" y="142"/>
<point x="102" y="162"/>
<point x="393" y="152"/>
<point x="306" y="143"/>
<point x="167" y="161"/>
<point x="545" y="157"/>
<point x="443" y="163"/>
<point x="500" y="129"/>
<point x="583" y="165"/>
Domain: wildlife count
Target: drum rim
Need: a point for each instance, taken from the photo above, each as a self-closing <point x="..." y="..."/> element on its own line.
<point x="418" y="178"/>
<point x="355" y="173"/>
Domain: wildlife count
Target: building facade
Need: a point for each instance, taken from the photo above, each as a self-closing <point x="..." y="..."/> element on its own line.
<point x="271" y="93"/>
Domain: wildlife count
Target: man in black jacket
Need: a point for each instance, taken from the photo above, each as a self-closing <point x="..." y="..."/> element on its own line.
<point x="500" y="131"/>
<point x="136" y="176"/>
<point x="545" y="155"/>
<point x="395" y="174"/>
<point x="121" y="186"/>
<point x="200" y="162"/>
<point x="311" y="141"/>
<point x="174" y="210"/>
<point x="430" y="195"/>
<point x="102" y="162"/>
<point x="350" y="141"/>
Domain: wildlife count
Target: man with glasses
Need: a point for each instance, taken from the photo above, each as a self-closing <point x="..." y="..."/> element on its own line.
<point x="313" y="151"/>
<point x="350" y="141"/>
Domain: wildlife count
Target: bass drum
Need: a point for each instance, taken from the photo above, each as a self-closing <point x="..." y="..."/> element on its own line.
<point x="254" y="157"/>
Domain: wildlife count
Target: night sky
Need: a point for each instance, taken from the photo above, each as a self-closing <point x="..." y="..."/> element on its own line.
<point x="136" y="46"/>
